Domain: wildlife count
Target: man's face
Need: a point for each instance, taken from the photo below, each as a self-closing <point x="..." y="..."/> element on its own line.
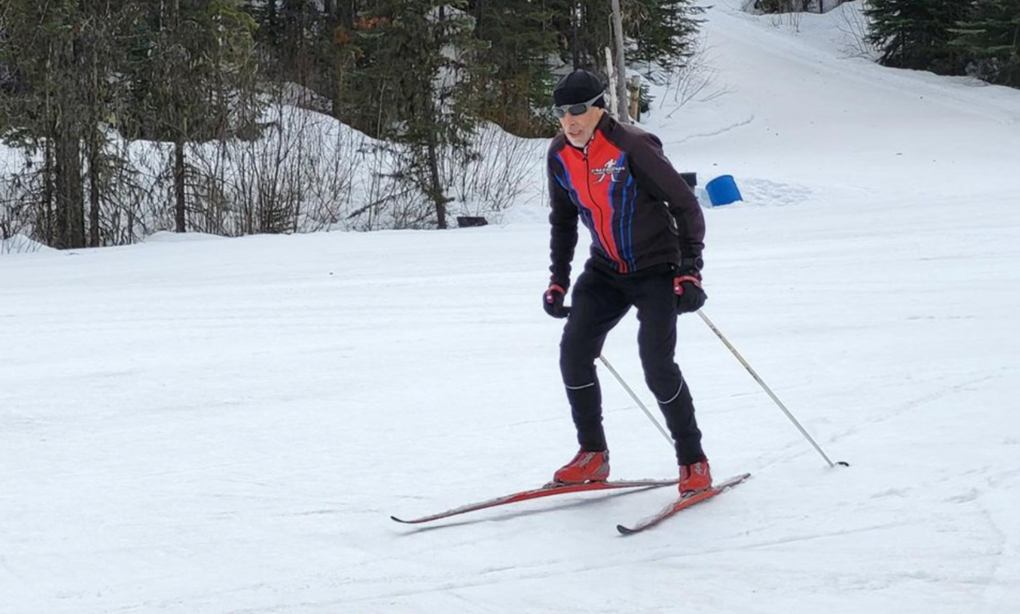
<point x="579" y="128"/>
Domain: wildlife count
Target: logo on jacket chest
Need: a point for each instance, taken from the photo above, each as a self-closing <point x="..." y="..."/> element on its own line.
<point x="611" y="169"/>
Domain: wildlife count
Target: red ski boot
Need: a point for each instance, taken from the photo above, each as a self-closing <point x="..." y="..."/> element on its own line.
<point x="586" y="467"/>
<point x="695" y="478"/>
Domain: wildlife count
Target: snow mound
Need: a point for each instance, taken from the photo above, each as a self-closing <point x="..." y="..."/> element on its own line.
<point x="20" y="244"/>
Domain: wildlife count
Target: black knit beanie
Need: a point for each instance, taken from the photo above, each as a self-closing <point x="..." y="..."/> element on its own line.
<point x="579" y="86"/>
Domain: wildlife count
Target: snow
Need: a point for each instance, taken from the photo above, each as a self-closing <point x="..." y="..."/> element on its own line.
<point x="214" y="426"/>
<point x="20" y="244"/>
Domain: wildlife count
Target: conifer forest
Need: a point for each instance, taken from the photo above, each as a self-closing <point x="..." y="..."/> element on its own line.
<point x="122" y="118"/>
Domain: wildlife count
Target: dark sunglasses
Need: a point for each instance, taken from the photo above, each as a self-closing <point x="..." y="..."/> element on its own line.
<point x="575" y="109"/>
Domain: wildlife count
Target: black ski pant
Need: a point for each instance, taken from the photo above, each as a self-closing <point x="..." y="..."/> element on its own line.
<point x="599" y="301"/>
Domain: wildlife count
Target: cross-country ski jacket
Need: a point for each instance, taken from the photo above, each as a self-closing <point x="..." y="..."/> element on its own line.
<point x="638" y="208"/>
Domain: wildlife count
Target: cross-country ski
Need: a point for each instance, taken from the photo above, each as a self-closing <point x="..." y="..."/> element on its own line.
<point x="681" y="504"/>
<point x="545" y="491"/>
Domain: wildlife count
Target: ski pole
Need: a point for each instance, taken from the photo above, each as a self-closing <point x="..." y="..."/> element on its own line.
<point x="768" y="390"/>
<point x="637" y="400"/>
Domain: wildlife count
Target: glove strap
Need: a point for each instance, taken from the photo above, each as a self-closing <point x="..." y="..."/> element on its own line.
<point x="680" y="279"/>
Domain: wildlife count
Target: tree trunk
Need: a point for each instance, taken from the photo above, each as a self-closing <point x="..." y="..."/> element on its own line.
<point x="347" y="13"/>
<point x="180" y="217"/>
<point x="435" y="186"/>
<point x="94" y="179"/>
<point x="70" y="202"/>
<point x="46" y="217"/>
<point x="575" y="25"/>
<point x="622" y="100"/>
<point x="69" y="205"/>
<point x="95" y="146"/>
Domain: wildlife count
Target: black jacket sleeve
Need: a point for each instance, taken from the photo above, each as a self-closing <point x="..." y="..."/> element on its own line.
<point x="655" y="172"/>
<point x="563" y="220"/>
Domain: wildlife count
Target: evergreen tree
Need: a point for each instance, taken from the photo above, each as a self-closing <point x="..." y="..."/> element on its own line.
<point x="62" y="60"/>
<point x="415" y="83"/>
<point x="992" y="38"/>
<point x="294" y="33"/>
<point x="523" y="34"/>
<point x="660" y="33"/>
<point x="657" y="32"/>
<point x="310" y="44"/>
<point x="191" y="71"/>
<point x="337" y="50"/>
<point x="918" y="34"/>
<point x="517" y="41"/>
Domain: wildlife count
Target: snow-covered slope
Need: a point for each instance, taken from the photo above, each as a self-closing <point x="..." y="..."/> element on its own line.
<point x="799" y="107"/>
<point x="220" y="426"/>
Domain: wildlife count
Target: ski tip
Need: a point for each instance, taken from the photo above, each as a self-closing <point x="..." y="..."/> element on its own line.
<point x="400" y="520"/>
<point x="625" y="530"/>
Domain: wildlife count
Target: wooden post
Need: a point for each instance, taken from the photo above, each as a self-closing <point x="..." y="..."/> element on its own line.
<point x="634" y="87"/>
<point x="621" y="66"/>
<point x="611" y="95"/>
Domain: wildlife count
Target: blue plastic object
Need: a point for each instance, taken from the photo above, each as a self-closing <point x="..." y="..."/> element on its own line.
<point x="723" y="190"/>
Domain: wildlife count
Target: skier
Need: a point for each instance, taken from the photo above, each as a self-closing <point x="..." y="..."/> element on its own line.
<point x="647" y="233"/>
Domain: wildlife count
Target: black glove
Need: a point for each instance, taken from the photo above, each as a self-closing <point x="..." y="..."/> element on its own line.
<point x="690" y="297"/>
<point x="552" y="301"/>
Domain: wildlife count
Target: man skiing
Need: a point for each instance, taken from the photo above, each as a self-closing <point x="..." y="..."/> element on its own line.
<point x="647" y="233"/>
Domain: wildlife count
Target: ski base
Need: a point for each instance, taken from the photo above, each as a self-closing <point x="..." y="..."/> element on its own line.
<point x="537" y="493"/>
<point x="681" y="504"/>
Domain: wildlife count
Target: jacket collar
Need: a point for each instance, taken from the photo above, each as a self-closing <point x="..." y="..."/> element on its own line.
<point x="605" y="125"/>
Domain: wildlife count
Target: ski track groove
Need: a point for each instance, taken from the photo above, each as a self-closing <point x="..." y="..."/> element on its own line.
<point x="559" y="566"/>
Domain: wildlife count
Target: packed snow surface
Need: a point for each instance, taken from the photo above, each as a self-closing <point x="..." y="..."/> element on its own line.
<point x="222" y="426"/>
